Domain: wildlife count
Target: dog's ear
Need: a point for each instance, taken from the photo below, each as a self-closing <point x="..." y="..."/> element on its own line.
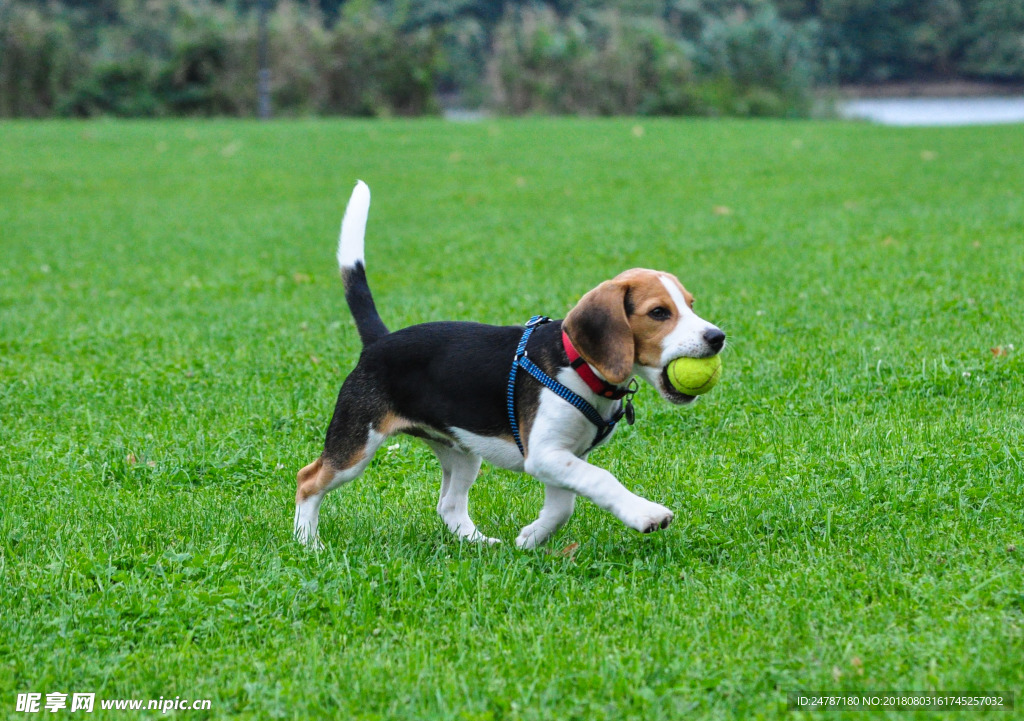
<point x="599" y="329"/>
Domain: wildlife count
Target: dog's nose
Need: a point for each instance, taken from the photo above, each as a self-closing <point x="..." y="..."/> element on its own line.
<point x="714" y="338"/>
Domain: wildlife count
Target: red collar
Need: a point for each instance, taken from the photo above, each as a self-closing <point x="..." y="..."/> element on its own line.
<point x="583" y="369"/>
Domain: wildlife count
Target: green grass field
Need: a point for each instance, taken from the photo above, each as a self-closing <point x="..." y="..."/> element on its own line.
<point x="849" y="500"/>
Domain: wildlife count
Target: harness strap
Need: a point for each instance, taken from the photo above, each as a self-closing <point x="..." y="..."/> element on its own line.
<point x="510" y="395"/>
<point x="604" y="427"/>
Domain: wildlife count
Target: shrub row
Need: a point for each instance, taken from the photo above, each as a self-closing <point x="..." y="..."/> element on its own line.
<point x="197" y="57"/>
<point x="185" y="57"/>
<point x="606" y="63"/>
<point x="367" y="57"/>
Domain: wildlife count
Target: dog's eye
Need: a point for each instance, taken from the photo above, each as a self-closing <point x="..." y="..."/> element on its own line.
<point x="660" y="313"/>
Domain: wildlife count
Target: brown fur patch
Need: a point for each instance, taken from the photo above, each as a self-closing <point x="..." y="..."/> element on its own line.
<point x="307" y="480"/>
<point x="391" y="424"/>
<point x="647" y="293"/>
<point x="599" y="329"/>
<point x="315" y="477"/>
<point x="608" y="337"/>
<point x="527" y="415"/>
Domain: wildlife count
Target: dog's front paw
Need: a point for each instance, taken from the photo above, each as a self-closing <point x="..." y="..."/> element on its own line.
<point x="533" y="536"/>
<point x="648" y="517"/>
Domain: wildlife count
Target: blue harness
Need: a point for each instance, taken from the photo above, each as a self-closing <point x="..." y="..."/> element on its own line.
<point x="521" y="360"/>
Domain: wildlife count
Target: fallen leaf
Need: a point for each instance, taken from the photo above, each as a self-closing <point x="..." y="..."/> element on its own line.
<point x="569" y="551"/>
<point x="130" y="459"/>
<point x="999" y="351"/>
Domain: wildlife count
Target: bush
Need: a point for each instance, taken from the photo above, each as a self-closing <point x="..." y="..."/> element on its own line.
<point x="190" y="57"/>
<point x="192" y="79"/>
<point x="760" y="64"/>
<point x="39" y="62"/>
<point x="374" y="70"/>
<point x="997" y="49"/>
<point x="122" y="89"/>
<point x="606" y="65"/>
<point x="167" y="57"/>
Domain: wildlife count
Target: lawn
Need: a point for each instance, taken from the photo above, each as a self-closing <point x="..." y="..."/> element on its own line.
<point x="849" y="500"/>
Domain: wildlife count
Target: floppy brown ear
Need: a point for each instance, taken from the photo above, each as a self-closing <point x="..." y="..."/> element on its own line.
<point x="600" y="330"/>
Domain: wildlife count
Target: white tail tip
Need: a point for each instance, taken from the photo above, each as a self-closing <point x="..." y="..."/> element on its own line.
<point x="353" y="227"/>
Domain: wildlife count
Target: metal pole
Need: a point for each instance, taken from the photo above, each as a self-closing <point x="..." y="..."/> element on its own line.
<point x="263" y="80"/>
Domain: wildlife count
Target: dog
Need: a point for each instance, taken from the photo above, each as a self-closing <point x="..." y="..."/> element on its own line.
<point x="470" y="392"/>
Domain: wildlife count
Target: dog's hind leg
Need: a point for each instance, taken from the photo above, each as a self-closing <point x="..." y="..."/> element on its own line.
<point x="350" y="448"/>
<point x="459" y="470"/>
<point x="558" y="507"/>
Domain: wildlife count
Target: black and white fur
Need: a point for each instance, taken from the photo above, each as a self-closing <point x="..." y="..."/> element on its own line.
<point x="445" y="382"/>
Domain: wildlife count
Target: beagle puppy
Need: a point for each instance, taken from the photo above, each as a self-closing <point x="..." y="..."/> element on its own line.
<point x="447" y="383"/>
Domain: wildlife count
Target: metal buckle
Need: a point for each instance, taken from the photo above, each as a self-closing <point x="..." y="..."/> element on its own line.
<point x="627" y="407"/>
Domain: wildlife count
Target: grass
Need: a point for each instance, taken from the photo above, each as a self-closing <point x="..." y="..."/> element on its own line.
<point x="849" y="500"/>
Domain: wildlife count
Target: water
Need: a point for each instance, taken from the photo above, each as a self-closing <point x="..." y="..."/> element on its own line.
<point x="891" y="111"/>
<point x="935" y="111"/>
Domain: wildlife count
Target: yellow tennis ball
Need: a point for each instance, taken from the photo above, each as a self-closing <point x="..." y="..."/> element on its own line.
<point x="695" y="376"/>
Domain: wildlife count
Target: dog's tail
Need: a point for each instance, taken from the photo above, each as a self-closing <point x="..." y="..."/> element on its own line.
<point x="353" y="270"/>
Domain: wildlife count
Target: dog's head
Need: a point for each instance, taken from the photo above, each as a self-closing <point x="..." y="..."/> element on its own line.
<point x="636" y="324"/>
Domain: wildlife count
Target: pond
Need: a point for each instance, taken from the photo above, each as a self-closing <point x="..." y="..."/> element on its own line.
<point x="935" y="111"/>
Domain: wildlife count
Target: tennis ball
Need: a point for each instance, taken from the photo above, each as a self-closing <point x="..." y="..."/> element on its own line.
<point x="695" y="376"/>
